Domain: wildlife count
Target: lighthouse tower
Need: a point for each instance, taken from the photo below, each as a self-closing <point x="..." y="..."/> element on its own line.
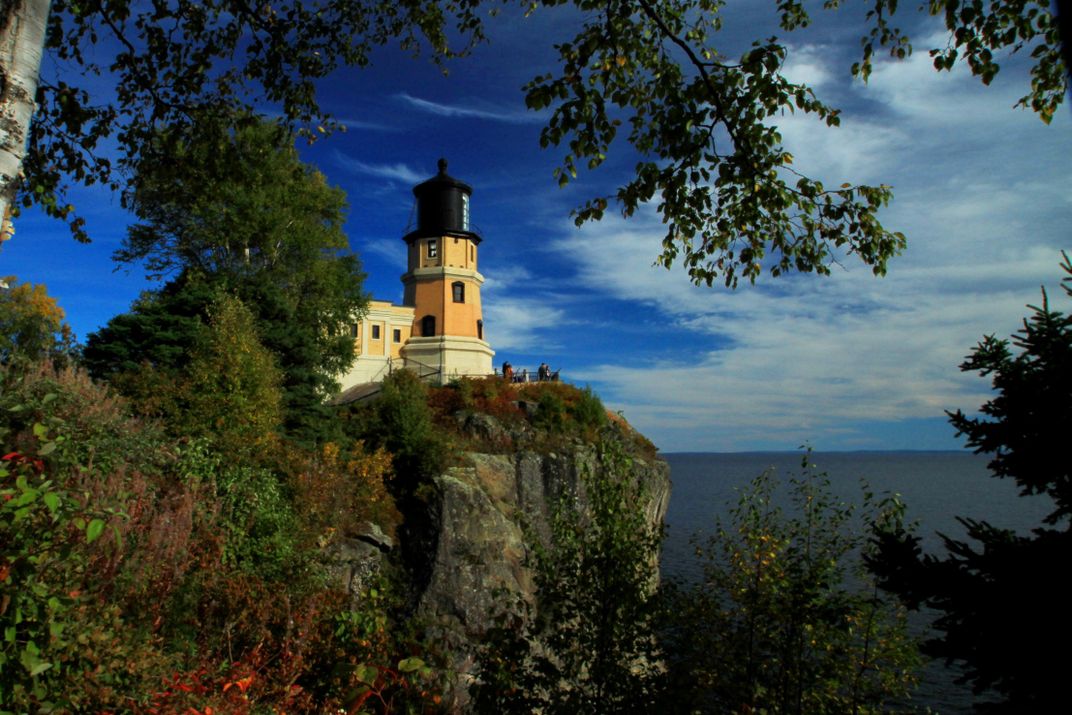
<point x="442" y="284"/>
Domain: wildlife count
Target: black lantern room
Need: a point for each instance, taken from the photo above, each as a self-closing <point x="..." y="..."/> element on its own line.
<point x="442" y="208"/>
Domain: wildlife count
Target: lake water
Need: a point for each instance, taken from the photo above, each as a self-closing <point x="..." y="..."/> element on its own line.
<point x="935" y="486"/>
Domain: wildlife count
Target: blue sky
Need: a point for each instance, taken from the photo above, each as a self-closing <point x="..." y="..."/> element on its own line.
<point x="849" y="361"/>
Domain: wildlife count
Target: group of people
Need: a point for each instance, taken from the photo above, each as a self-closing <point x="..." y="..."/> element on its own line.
<point x="543" y="373"/>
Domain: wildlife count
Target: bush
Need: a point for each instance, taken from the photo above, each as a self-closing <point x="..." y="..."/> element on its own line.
<point x="589" y="644"/>
<point x="550" y="412"/>
<point x="400" y="421"/>
<point x="336" y="493"/>
<point x="65" y="645"/>
<point x="785" y="619"/>
<point x="587" y="411"/>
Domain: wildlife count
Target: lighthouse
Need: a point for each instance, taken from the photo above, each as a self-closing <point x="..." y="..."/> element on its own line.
<point x="442" y="284"/>
<point x="438" y="331"/>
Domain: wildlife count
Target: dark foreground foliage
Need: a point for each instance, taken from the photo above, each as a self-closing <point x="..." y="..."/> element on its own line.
<point x="1001" y="595"/>
<point x="140" y="572"/>
<point x="783" y="621"/>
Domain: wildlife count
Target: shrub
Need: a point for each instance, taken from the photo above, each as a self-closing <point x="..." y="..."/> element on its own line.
<point x="336" y="493"/>
<point x="587" y="411"/>
<point x="785" y="619"/>
<point x="589" y="644"/>
<point x="550" y="412"/>
<point x="64" y="646"/>
<point x="400" y="421"/>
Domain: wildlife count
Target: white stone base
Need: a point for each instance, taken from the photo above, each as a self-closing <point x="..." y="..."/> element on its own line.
<point x="367" y="368"/>
<point x="443" y="358"/>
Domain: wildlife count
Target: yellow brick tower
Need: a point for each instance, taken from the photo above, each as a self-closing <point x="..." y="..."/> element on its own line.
<point x="442" y="284"/>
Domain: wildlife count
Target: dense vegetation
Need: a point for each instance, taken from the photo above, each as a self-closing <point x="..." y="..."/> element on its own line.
<point x="168" y="551"/>
<point x="152" y="572"/>
<point x="167" y="517"/>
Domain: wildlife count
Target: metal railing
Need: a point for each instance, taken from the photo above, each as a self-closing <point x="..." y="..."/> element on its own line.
<point x="524" y="375"/>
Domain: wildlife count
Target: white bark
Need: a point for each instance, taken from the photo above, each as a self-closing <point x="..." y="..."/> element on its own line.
<point x="22" y="41"/>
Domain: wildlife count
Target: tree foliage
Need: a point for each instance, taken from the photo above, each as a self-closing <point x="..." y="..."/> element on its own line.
<point x="588" y="644"/>
<point x="704" y="124"/>
<point x="175" y="62"/>
<point x="997" y="592"/>
<point x="157" y="332"/>
<point x="400" y="420"/>
<point x="31" y="323"/>
<point x="790" y="623"/>
<point x="231" y="393"/>
<point x="229" y="207"/>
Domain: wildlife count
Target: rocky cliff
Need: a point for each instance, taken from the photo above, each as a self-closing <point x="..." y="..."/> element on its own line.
<point x="467" y="536"/>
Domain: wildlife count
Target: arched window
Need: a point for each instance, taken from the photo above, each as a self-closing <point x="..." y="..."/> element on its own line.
<point x="459" y="291"/>
<point x="480" y="329"/>
<point x="428" y="326"/>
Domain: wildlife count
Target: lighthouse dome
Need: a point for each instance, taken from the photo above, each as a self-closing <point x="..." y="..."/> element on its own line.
<point x="442" y="207"/>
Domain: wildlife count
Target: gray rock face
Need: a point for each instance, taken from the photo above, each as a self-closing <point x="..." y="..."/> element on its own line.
<point x="474" y="529"/>
<point x="356" y="560"/>
<point x="486" y="509"/>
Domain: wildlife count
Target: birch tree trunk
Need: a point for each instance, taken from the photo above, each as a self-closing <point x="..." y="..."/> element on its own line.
<point x="22" y="39"/>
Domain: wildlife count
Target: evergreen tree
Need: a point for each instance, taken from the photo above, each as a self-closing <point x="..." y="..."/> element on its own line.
<point x="229" y="207"/>
<point x="1003" y="597"/>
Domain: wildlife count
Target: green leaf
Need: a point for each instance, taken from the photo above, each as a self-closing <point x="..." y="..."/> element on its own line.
<point x="52" y="501"/>
<point x="366" y="673"/>
<point x="408" y="665"/>
<point x="39" y="668"/>
<point x="93" y="531"/>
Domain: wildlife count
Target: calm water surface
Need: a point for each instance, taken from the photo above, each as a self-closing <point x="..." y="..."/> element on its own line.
<point x="935" y="486"/>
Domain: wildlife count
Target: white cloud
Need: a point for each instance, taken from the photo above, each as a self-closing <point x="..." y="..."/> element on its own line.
<point x="503" y="278"/>
<point x="464" y="111"/>
<point x="363" y="125"/>
<point x="390" y="250"/>
<point x="520" y="324"/>
<point x="394" y="172"/>
<point x="805" y="64"/>
<point x="985" y="204"/>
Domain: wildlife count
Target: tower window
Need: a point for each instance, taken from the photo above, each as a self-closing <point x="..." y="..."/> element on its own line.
<point x="353" y="330"/>
<point x="375" y="332"/>
<point x="465" y="212"/>
<point x="458" y="289"/>
<point x="428" y="326"/>
<point x="480" y="329"/>
<point x="433" y="249"/>
<point x="397" y="335"/>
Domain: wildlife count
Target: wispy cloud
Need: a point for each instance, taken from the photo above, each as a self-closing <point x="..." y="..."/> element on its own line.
<point x="803" y="358"/>
<point x="394" y="172"/>
<point x="362" y="125"/>
<point x="494" y="114"/>
<point x="392" y="251"/>
<point x="520" y="324"/>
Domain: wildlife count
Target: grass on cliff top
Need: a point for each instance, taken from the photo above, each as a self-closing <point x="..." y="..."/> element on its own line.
<point x="555" y="413"/>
